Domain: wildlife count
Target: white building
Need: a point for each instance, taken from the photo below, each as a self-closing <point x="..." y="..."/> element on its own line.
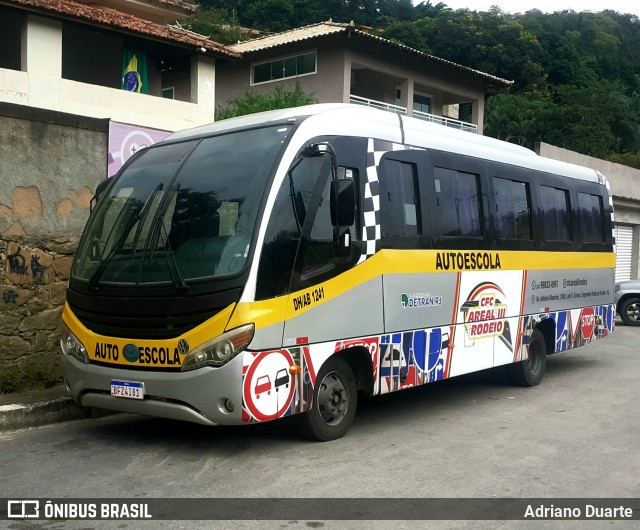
<point x="67" y="56"/>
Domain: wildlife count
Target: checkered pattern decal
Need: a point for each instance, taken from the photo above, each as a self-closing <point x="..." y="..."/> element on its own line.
<point x="371" y="231"/>
<point x="613" y="224"/>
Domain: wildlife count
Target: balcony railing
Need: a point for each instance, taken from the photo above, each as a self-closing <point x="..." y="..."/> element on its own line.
<point x="377" y="104"/>
<point x="441" y="120"/>
<point x="444" y="120"/>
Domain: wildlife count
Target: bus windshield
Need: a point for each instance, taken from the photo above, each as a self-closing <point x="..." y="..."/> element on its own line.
<point x="181" y="211"/>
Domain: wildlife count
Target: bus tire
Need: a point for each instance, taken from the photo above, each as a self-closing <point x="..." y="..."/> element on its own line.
<point x="630" y="311"/>
<point x="335" y="398"/>
<point x="530" y="371"/>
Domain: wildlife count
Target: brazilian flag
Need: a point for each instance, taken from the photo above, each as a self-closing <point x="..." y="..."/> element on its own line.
<point x="134" y="70"/>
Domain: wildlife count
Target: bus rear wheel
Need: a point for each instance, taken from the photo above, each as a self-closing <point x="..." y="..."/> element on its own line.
<point x="530" y="371"/>
<point x="335" y="398"/>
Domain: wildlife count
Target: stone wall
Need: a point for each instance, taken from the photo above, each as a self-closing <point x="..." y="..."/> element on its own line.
<point x="33" y="279"/>
<point x="49" y="164"/>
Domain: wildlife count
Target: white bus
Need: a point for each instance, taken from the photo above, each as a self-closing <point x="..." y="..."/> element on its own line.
<point x="278" y="264"/>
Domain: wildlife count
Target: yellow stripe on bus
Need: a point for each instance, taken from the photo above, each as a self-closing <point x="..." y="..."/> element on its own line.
<point x="275" y="310"/>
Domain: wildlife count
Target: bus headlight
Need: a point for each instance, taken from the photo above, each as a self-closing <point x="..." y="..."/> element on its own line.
<point x="71" y="345"/>
<point x="220" y="350"/>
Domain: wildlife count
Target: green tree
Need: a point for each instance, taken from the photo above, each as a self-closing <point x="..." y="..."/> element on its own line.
<point x="596" y="120"/>
<point x="251" y="102"/>
<point x="626" y="159"/>
<point x="220" y="25"/>
<point x="517" y="119"/>
<point x="407" y="33"/>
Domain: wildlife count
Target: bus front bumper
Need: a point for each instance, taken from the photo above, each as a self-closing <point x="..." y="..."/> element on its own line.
<point x="197" y="396"/>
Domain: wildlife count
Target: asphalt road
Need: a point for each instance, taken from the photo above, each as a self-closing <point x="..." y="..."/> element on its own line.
<point x="576" y="435"/>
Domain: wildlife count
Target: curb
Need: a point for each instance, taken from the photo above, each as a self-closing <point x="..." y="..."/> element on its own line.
<point x="41" y="413"/>
<point x="44" y="412"/>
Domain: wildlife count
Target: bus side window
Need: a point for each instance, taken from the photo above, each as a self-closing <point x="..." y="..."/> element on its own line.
<point x="458" y="203"/>
<point x="286" y="223"/>
<point x="317" y="260"/>
<point x="513" y="209"/>
<point x="591" y="214"/>
<point x="555" y="206"/>
<point x="399" y="200"/>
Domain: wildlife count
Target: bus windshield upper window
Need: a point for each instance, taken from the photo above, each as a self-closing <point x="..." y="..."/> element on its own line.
<point x="185" y="210"/>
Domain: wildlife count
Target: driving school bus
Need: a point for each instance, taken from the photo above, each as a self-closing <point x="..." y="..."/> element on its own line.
<point x="280" y="263"/>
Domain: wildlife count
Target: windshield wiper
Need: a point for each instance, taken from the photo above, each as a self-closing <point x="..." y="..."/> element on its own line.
<point x="176" y="278"/>
<point x="156" y="230"/>
<point x="95" y="277"/>
<point x="142" y="217"/>
<point x="297" y="202"/>
<point x="138" y="218"/>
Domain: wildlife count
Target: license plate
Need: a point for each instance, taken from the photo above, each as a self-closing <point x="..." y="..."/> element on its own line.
<point x="127" y="389"/>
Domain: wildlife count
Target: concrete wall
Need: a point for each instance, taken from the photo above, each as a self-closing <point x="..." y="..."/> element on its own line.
<point x="624" y="180"/>
<point x="50" y="164"/>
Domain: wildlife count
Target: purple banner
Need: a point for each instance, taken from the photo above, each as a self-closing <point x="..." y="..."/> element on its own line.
<point x="125" y="140"/>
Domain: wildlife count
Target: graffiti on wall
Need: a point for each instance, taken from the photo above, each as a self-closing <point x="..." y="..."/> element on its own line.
<point x="26" y="265"/>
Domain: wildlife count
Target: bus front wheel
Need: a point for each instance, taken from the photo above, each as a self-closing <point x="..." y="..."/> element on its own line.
<point x="531" y="371"/>
<point x="334" y="404"/>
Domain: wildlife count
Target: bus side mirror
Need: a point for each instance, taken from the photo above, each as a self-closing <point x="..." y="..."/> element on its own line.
<point x="101" y="187"/>
<point x="99" y="190"/>
<point x="343" y="203"/>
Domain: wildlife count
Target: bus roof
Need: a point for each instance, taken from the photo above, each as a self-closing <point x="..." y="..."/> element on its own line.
<point x="358" y="120"/>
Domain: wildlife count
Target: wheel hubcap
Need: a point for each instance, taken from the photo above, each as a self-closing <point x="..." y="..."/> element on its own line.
<point x="333" y="399"/>
<point x="633" y="312"/>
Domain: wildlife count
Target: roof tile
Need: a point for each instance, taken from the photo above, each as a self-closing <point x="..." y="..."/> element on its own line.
<point x="111" y="18"/>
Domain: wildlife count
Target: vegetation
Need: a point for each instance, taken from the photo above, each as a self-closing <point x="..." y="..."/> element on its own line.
<point x="576" y="74"/>
<point x="31" y="373"/>
<point x="251" y="102"/>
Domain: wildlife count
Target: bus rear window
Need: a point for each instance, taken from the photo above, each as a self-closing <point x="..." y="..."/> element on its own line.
<point x="590" y="212"/>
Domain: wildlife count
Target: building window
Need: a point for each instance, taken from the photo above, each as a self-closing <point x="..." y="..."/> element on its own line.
<point x="11" y="27"/>
<point x="283" y="68"/>
<point x="168" y="93"/>
<point x="421" y="102"/>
